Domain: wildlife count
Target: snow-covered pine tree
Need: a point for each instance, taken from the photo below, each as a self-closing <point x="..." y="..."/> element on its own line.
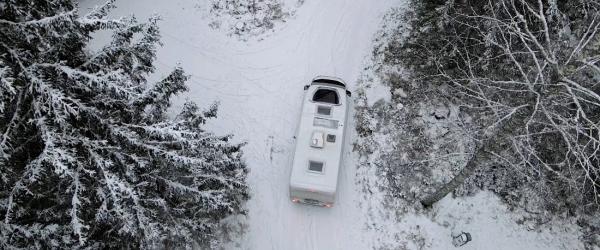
<point x="88" y="156"/>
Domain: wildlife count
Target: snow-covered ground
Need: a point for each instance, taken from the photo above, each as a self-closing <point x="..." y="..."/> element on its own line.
<point x="385" y="117"/>
<point x="259" y="86"/>
<point x="396" y="223"/>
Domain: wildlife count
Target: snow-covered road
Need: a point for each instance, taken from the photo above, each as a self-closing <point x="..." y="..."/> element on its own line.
<point x="259" y="85"/>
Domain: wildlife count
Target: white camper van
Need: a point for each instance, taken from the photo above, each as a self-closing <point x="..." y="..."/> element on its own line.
<point x="319" y="142"/>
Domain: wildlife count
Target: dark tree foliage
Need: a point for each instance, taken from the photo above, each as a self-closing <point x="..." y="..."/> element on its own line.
<point x="88" y="155"/>
<point x="532" y="66"/>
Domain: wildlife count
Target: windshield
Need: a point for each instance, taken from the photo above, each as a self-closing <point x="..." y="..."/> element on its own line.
<point x="326" y="96"/>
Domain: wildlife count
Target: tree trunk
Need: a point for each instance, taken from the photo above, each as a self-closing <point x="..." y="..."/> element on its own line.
<point x="471" y="166"/>
<point x="515" y="118"/>
<point x="479" y="153"/>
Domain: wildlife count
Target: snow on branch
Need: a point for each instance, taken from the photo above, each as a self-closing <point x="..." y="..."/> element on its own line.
<point x="45" y="21"/>
<point x="88" y="137"/>
<point x="533" y="61"/>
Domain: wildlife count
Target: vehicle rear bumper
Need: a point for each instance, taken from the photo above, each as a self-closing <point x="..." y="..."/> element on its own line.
<point x="319" y="196"/>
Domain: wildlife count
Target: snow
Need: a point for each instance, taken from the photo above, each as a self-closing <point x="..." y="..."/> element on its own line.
<point x="259" y="84"/>
<point x="377" y="92"/>
<point x="488" y="221"/>
<point x="493" y="226"/>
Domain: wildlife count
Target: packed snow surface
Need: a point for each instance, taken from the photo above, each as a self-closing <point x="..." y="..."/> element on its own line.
<point x="259" y="84"/>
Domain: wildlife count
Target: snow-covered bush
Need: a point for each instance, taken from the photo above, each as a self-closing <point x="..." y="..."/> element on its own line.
<point x="535" y="65"/>
<point x="88" y="155"/>
<point x="250" y="17"/>
<point x="531" y="66"/>
<point x="424" y="145"/>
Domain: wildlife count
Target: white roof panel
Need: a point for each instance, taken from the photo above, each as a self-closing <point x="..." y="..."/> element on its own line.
<point x="311" y="123"/>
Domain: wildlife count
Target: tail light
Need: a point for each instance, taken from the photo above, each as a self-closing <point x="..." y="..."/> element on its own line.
<point x="329" y="205"/>
<point x="295" y="200"/>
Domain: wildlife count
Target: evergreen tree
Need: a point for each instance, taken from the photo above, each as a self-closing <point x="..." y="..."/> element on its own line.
<point x="88" y="155"/>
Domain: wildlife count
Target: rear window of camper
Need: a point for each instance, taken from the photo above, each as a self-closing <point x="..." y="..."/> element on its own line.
<point x="326" y="96"/>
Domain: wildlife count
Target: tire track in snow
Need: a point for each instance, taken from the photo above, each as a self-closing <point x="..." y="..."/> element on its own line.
<point x="326" y="33"/>
<point x="334" y="37"/>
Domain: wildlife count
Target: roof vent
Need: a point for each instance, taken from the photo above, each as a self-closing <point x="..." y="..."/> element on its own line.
<point x="324" y="110"/>
<point x="330" y="138"/>
<point x="316" y="141"/>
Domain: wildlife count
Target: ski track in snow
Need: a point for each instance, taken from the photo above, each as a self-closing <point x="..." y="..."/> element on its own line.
<point x="259" y="85"/>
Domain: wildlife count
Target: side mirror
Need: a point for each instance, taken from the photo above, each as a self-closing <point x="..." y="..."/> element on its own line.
<point x="348" y="93"/>
<point x="306" y="87"/>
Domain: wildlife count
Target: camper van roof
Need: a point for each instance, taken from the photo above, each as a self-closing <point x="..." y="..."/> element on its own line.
<point x="316" y="164"/>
